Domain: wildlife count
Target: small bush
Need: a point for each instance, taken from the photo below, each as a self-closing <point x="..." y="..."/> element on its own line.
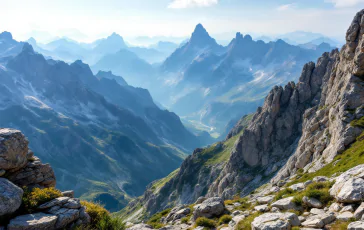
<point x="205" y="222"/>
<point x="155" y="220"/>
<point x="284" y="193"/>
<point x="36" y="197"/>
<point x="101" y="218"/>
<point x="184" y="220"/>
<point x="225" y="219"/>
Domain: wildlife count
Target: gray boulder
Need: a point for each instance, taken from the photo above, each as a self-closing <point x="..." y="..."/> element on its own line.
<point x="66" y="217"/>
<point x="209" y="208"/>
<point x="345" y="216"/>
<point x="297" y="187"/>
<point x="350" y="191"/>
<point x="13" y="149"/>
<point x="359" y="212"/>
<point x="349" y="186"/>
<point x="54" y="202"/>
<point x="10" y="197"/>
<point x="312" y="202"/>
<point x="276" y="221"/>
<point x="358" y="225"/>
<point x="285" y="204"/>
<point x="265" y="199"/>
<point x="36" y="221"/>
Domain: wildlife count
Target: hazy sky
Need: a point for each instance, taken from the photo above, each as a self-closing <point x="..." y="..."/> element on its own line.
<point x="90" y="19"/>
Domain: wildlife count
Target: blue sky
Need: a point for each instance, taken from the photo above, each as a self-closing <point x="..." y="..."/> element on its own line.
<point x="87" y="20"/>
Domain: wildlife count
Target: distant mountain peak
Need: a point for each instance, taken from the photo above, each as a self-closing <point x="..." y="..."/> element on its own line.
<point x="201" y="37"/>
<point x="27" y="48"/>
<point x="6" y="35"/>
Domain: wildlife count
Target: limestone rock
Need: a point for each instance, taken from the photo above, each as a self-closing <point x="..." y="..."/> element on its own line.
<point x="13" y="149"/>
<point x="350" y="191"/>
<point x="345" y="216"/>
<point x="276" y="221"/>
<point x="235" y="220"/>
<point x="36" y="221"/>
<point x="140" y="227"/>
<point x="10" y="197"/>
<point x="317" y="211"/>
<point x="261" y="208"/>
<point x="65" y="217"/>
<point x="359" y="212"/>
<point x="69" y="193"/>
<point x="54" y="202"/>
<point x="358" y="225"/>
<point x="312" y="202"/>
<point x="297" y="187"/>
<point x="285" y="204"/>
<point x="319" y="221"/>
<point x="265" y="199"/>
<point x="209" y="208"/>
<point x="72" y="203"/>
<point x="34" y="174"/>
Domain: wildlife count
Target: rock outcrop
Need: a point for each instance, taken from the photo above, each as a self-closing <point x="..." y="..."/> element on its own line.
<point x="21" y="169"/>
<point x="10" y="197"/>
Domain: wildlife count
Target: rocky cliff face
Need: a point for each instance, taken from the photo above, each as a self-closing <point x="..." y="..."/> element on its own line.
<point x="300" y="126"/>
<point x="21" y="170"/>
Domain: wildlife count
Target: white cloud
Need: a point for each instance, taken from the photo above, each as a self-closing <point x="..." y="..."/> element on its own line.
<point x="345" y="3"/>
<point x="180" y="4"/>
<point x="286" y="7"/>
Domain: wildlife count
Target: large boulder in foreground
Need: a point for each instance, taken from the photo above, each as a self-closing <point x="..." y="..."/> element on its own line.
<point x="35" y="221"/>
<point x="209" y="208"/>
<point x="349" y="186"/>
<point x="10" y="197"/>
<point x="276" y="221"/>
<point x="13" y="149"/>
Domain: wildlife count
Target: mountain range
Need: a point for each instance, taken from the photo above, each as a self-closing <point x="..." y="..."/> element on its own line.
<point x="104" y="138"/>
<point x="211" y="85"/>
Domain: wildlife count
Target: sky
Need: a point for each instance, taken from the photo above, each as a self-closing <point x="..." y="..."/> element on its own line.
<point x="87" y="20"/>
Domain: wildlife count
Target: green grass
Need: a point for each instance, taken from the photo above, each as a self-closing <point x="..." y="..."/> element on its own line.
<point x="246" y="223"/>
<point x="350" y="158"/>
<point x="339" y="225"/>
<point x="287" y="192"/>
<point x="358" y="123"/>
<point x="160" y="183"/>
<point x="205" y="222"/>
<point x="318" y="190"/>
<point x="225" y="219"/>
<point x="155" y="220"/>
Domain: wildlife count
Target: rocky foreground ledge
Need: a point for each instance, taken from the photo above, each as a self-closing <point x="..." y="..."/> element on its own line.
<point x="330" y="203"/>
<point x="20" y="172"/>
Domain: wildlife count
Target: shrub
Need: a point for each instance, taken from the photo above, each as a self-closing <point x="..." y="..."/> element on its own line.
<point x="205" y="222"/>
<point x="184" y="220"/>
<point x="155" y="220"/>
<point x="100" y="217"/>
<point x="225" y="219"/>
<point x="32" y="199"/>
<point x="283" y="193"/>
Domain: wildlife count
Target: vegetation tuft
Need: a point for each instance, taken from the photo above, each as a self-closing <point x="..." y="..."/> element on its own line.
<point x="36" y="197"/>
<point x="101" y="218"/>
<point x="205" y="222"/>
<point x="225" y="219"/>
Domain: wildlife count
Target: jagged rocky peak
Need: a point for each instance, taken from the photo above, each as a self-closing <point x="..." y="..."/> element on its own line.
<point x="200" y="37"/>
<point x="28" y="48"/>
